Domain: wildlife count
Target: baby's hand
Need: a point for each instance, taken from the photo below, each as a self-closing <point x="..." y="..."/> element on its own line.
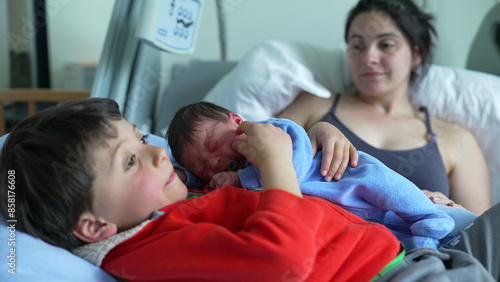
<point x="225" y="178"/>
<point x="441" y="199"/>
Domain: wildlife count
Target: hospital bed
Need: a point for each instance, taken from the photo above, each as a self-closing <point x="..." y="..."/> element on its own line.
<point x="257" y="87"/>
<point x="259" y="90"/>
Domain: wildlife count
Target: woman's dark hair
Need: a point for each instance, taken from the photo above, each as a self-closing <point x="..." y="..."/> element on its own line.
<point x="46" y="168"/>
<point x="412" y="21"/>
<point x="182" y="129"/>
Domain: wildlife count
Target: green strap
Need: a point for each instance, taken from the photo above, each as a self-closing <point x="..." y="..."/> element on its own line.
<point x="399" y="258"/>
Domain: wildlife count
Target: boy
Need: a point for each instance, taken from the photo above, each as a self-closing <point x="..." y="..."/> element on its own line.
<point x="85" y="175"/>
<point x="201" y="135"/>
<point x="86" y="179"/>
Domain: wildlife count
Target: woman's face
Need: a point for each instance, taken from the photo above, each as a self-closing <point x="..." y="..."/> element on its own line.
<point x="380" y="56"/>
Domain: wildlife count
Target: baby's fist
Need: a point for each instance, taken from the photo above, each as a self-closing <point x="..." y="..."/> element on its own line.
<point x="225" y="178"/>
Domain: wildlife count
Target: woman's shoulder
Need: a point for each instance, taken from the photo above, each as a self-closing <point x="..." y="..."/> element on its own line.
<point x="307" y="109"/>
<point x="452" y="138"/>
<point x="448" y="130"/>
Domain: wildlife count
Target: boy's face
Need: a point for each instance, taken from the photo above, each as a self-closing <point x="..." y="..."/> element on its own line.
<point x="212" y="151"/>
<point x="133" y="179"/>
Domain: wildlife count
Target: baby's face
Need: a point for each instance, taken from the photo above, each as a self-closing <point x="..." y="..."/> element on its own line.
<point x="212" y="151"/>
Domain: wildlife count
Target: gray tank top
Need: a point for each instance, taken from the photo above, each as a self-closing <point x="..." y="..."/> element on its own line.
<point x="423" y="166"/>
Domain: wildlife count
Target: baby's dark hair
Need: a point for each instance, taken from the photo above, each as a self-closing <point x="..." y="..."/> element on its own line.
<point x="411" y="20"/>
<point x="49" y="158"/>
<point x="184" y="125"/>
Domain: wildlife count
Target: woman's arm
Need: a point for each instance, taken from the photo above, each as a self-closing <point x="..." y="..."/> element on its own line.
<point x="469" y="177"/>
<point x="307" y="109"/>
<point x="338" y="152"/>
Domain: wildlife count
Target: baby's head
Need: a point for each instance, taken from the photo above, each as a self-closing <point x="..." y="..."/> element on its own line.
<point x="201" y="135"/>
<point x="83" y="173"/>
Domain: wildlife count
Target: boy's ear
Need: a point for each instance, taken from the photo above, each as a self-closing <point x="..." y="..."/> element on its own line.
<point x="91" y="229"/>
<point x="235" y="118"/>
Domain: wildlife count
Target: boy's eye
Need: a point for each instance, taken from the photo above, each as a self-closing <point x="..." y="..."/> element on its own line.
<point x="143" y="139"/>
<point x="131" y="161"/>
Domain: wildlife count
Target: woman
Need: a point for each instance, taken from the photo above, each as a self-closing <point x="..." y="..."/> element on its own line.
<point x="388" y="41"/>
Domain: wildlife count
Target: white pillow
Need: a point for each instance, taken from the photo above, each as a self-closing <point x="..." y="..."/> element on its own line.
<point x="29" y="259"/>
<point x="468" y="98"/>
<point x="274" y="73"/>
<point x="268" y="78"/>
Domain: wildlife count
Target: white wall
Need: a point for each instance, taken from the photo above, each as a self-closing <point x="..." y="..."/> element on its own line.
<point x="76" y="32"/>
<point x="319" y="22"/>
<point x="322" y="22"/>
<point x="77" y="28"/>
<point x="250" y="22"/>
<point x="457" y="22"/>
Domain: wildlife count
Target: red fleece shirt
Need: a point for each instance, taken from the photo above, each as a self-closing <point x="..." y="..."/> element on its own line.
<point x="232" y="234"/>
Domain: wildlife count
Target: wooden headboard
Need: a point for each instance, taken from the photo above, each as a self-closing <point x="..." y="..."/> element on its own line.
<point x="34" y="96"/>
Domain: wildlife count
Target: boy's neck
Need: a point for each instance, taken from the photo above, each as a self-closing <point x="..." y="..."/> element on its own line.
<point x="171" y="206"/>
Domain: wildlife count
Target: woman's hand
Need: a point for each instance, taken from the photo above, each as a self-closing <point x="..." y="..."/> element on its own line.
<point x="441" y="199"/>
<point x="338" y="151"/>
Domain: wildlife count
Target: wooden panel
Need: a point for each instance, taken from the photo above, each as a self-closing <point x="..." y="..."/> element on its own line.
<point x="33" y="96"/>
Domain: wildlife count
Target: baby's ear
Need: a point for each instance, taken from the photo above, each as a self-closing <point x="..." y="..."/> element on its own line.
<point x="90" y="229"/>
<point x="235" y="118"/>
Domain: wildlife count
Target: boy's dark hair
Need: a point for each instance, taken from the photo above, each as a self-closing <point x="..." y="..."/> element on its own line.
<point x="49" y="158"/>
<point x="413" y="22"/>
<point x="182" y="129"/>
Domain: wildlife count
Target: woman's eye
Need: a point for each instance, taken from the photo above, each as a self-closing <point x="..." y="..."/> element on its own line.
<point x="143" y="139"/>
<point x="131" y="161"/>
<point x="355" y="47"/>
<point x="387" y="46"/>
